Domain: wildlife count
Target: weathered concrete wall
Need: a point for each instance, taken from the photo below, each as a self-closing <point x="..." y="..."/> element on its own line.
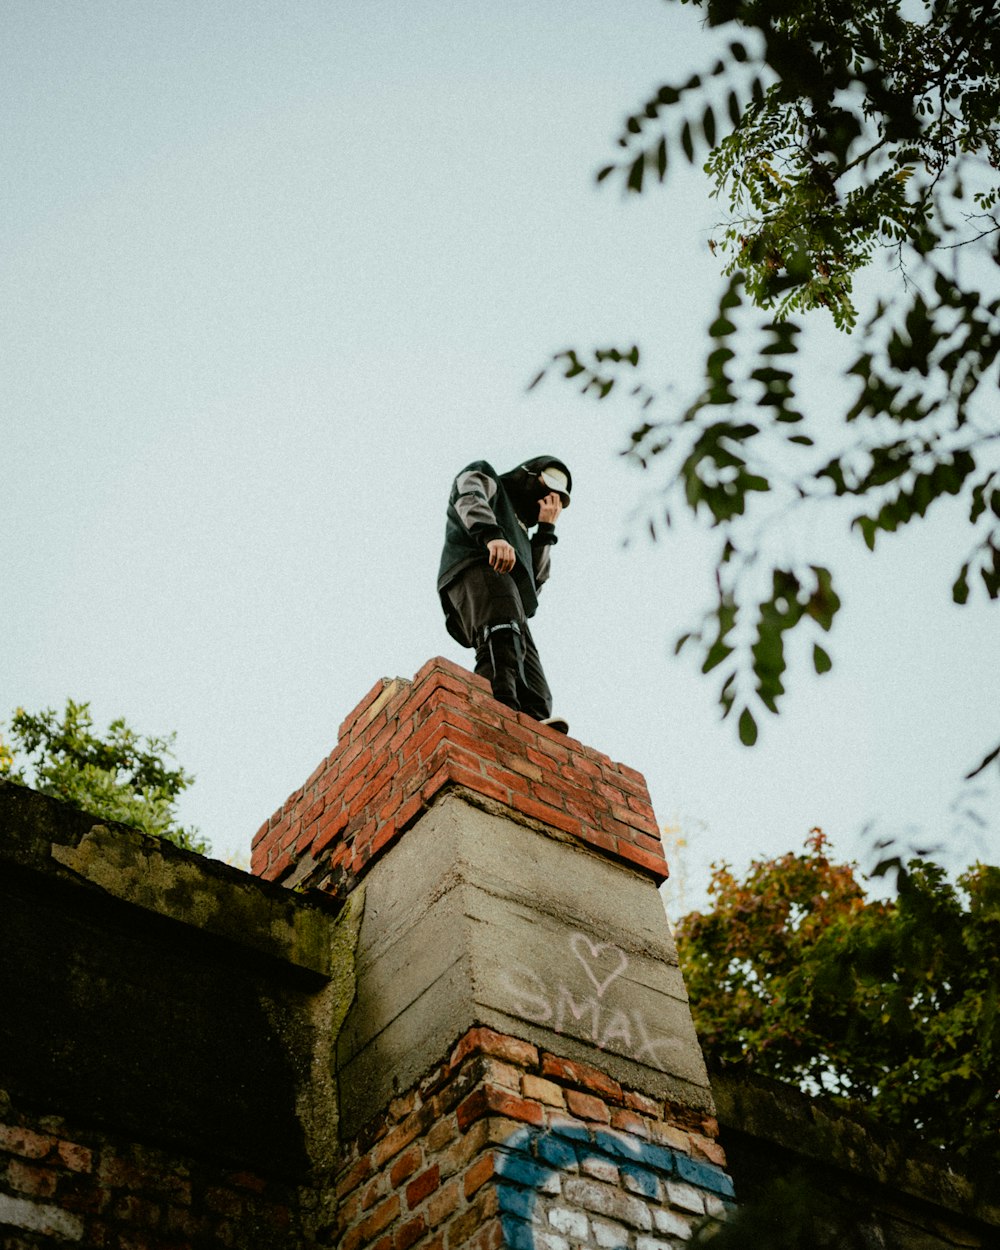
<point x="474" y="918"/>
<point x="889" y="1191"/>
<point x="155" y="1001"/>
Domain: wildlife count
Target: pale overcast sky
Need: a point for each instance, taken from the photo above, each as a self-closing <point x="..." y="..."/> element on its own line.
<point x="274" y="272"/>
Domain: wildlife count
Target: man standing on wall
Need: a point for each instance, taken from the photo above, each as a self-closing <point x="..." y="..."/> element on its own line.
<point x="492" y="568"/>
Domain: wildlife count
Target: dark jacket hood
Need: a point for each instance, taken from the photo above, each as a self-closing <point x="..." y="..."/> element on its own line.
<point x="526" y="491"/>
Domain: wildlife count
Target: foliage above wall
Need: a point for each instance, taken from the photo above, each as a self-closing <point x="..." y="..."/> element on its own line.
<point x="833" y="133"/>
<point x="123" y="776"/>
<point x="796" y="973"/>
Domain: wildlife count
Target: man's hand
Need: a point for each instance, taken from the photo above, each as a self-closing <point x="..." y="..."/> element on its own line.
<point x="550" y="508"/>
<point x="502" y="557"/>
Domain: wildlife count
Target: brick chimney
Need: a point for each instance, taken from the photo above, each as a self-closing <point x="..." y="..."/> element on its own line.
<point x="518" y="1065"/>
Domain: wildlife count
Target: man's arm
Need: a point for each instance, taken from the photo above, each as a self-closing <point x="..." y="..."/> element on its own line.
<point x="475" y="493"/>
<point x="544" y="537"/>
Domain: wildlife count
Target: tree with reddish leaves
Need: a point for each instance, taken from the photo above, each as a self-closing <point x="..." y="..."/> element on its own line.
<point x="894" y="1004"/>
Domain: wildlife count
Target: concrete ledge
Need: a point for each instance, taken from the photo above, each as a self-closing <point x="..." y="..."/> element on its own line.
<point x="53" y="839"/>
<point x="758" y="1115"/>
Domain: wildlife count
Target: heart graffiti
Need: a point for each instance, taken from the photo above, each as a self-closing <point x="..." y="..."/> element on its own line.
<point x="603" y="962"/>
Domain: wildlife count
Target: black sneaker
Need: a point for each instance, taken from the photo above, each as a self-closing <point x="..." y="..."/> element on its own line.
<point x="558" y="723"/>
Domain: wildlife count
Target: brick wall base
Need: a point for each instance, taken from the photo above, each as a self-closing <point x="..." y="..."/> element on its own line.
<point x="508" y="1145"/>
<point x="63" y="1185"/>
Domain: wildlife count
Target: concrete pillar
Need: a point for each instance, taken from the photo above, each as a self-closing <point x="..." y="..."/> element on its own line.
<point x="519" y="1065"/>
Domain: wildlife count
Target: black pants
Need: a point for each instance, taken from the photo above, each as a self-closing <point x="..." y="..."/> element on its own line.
<point x="488" y="605"/>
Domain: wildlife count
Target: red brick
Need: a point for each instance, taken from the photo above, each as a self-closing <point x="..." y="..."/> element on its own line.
<point x="473" y="1108"/>
<point x="489" y="1237"/>
<point x="541" y="1090"/>
<point x="426" y="724"/>
<point x="444" y="1202"/>
<point x="384" y="838"/>
<point x="603" y="841"/>
<point x="441" y="674"/>
<point x="441" y="1133"/>
<point x="380" y="1218"/>
<point x="402" y="1105"/>
<point x="351" y="1240"/>
<point x="435" y="782"/>
<point x="360" y="793"/>
<point x="460" y="1152"/>
<point x="547" y="815"/>
<point x="587" y="1107"/>
<point x="352" y="718"/>
<point x="24" y="1142"/>
<point x="29" y="1178"/>
<point x="405" y="1166"/>
<point x="629" y="1122"/>
<point x="408" y="811"/>
<point x="372" y="1192"/>
<point x="406" y="726"/>
<point x="314" y="777"/>
<point x="483" y="1041"/>
<point x="466" y="1225"/>
<point x="476" y="782"/>
<point x="706" y="1148"/>
<point x="476" y="746"/>
<point x="641" y="1102"/>
<point x="314" y="810"/>
<point x="455" y="759"/>
<point x="655" y="865"/>
<point x="547" y="745"/>
<point x="582" y="1074"/>
<point x="548" y="794"/>
<point x="589" y="767"/>
<point x="347" y="1212"/>
<point x="501" y="1102"/>
<point x="396" y="1140"/>
<point x="644" y="822"/>
<point x="280" y="865"/>
<point x="424" y="1184"/>
<point x="291" y="802"/>
<point x="76" y="1158"/>
<point x="408" y="1233"/>
<point x="478" y="1174"/>
<point x="653" y="845"/>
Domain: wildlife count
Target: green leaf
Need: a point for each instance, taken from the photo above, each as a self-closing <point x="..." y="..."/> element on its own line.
<point x="661" y="159"/>
<point x="708" y="125"/>
<point x="687" y="142"/>
<point x="748" y="728"/>
<point x="821" y="660"/>
<point x="720" y="327"/>
<point x="636" y="173"/>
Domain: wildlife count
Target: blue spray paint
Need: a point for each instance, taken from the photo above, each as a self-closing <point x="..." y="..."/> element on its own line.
<point x="532" y="1162"/>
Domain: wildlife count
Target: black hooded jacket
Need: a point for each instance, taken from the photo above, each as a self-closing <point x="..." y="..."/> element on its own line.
<point x="484" y="505"/>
